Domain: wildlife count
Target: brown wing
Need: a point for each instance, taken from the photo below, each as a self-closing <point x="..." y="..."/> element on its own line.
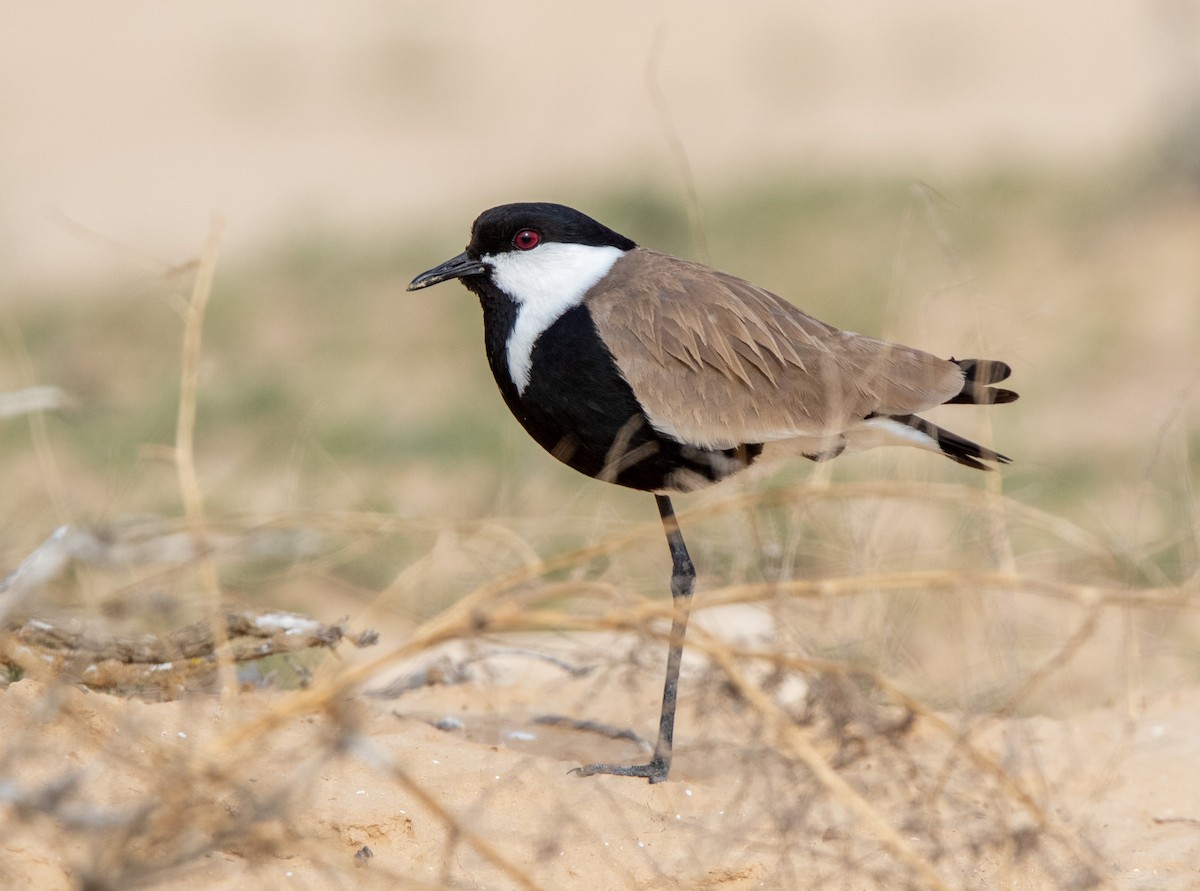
<point x="717" y="361"/>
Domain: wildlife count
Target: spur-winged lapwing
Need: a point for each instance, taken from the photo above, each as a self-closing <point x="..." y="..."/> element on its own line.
<point x="660" y="374"/>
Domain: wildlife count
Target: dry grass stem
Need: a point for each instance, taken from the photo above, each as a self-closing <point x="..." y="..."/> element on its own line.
<point x="185" y="443"/>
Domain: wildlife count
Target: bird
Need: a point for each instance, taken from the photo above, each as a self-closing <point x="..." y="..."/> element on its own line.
<point x="664" y="375"/>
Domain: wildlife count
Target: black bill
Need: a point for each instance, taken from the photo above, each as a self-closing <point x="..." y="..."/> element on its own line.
<point x="455" y="267"/>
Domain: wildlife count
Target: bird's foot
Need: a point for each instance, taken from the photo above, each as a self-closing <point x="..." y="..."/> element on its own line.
<point x="656" y="771"/>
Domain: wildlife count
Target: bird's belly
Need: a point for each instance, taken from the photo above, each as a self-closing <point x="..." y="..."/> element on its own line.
<point x="632" y="453"/>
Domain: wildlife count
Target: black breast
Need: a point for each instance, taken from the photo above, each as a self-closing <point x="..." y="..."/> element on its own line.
<point x="580" y="409"/>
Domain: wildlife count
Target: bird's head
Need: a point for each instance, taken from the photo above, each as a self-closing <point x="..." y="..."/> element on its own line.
<point x="532" y="252"/>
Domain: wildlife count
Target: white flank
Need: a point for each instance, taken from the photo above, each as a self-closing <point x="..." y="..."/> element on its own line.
<point x="883" y="431"/>
<point x="545" y="282"/>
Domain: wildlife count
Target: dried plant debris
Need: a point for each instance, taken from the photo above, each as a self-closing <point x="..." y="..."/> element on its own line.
<point x="447" y="671"/>
<point x="31" y="400"/>
<point x="141" y="542"/>
<point x="164" y="665"/>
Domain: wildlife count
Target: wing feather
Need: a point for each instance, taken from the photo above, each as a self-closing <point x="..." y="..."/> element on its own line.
<point x="717" y="361"/>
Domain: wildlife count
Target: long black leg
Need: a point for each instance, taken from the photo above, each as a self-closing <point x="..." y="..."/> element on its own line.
<point x="683" y="580"/>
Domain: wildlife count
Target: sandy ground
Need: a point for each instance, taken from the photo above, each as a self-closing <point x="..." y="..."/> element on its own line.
<point x="248" y="793"/>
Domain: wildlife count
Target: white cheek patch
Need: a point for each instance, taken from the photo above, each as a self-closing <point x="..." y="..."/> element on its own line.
<point x="545" y="282"/>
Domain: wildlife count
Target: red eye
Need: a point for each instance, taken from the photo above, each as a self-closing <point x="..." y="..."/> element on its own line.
<point x="527" y="239"/>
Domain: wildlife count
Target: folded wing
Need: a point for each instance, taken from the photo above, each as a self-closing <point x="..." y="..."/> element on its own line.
<point x="717" y="361"/>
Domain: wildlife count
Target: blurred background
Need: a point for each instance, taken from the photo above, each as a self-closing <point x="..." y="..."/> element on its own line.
<point x="138" y="121"/>
<point x="1018" y="181"/>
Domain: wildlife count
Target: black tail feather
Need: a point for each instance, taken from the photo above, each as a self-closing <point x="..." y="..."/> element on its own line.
<point x="977" y="374"/>
<point x="953" y="446"/>
<point x="984" y="371"/>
